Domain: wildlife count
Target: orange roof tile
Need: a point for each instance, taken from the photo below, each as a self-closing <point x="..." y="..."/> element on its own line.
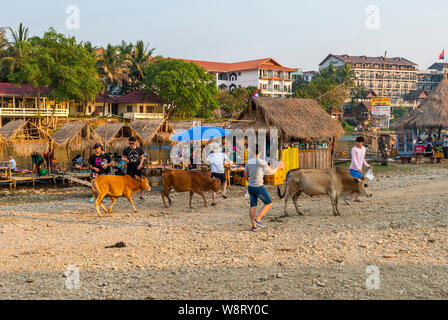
<point x="266" y="63"/>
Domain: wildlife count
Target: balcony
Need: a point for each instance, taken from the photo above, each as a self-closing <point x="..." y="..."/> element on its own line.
<point x="32" y="112"/>
<point x="138" y="115"/>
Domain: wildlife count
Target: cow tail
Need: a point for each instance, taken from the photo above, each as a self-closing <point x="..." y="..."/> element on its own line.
<point x="288" y="175"/>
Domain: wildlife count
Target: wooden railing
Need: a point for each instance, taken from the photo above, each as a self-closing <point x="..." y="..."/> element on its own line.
<point x="32" y="112"/>
<point x="137" y="115"/>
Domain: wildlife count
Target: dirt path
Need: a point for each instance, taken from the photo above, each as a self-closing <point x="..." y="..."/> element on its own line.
<point x="210" y="252"/>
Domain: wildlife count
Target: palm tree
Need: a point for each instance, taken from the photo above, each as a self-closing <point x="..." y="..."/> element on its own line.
<point x="139" y="59"/>
<point x="125" y="49"/>
<point x="3" y="40"/>
<point x="19" y="37"/>
<point x="112" y="69"/>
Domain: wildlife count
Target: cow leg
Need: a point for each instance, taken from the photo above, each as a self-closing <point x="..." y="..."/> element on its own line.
<point x="163" y="199"/>
<point x="203" y="197"/>
<point x="112" y="204"/>
<point x="294" y="200"/>
<point x="334" y="202"/>
<point x="99" y="202"/>
<point x="286" y="200"/>
<point x="131" y="201"/>
<point x="191" y="197"/>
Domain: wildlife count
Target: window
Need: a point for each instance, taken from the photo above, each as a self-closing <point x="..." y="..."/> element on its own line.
<point x="239" y="73"/>
<point x="276" y="87"/>
<point x="80" y="108"/>
<point x="129" y="109"/>
<point x="265" y="86"/>
<point x="142" y="109"/>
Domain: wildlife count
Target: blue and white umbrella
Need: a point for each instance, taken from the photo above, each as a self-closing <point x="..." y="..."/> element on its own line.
<point x="200" y="133"/>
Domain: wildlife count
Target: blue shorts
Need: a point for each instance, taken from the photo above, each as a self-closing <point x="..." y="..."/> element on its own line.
<point x="355" y="174"/>
<point x="258" y="192"/>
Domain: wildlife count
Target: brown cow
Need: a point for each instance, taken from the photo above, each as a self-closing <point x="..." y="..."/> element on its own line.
<point x="183" y="181"/>
<point x="333" y="182"/>
<point x="117" y="186"/>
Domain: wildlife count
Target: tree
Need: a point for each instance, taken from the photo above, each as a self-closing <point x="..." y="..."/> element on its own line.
<point x="58" y="62"/>
<point x="12" y="51"/>
<point x="139" y="59"/>
<point x="112" y="70"/>
<point x="36" y="63"/>
<point x="188" y="88"/>
<point x="75" y="75"/>
<point x="330" y="88"/>
<point x="399" y="112"/>
<point x="232" y="102"/>
<point x="19" y="37"/>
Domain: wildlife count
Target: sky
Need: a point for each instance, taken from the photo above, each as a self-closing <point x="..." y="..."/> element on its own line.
<point x="297" y="33"/>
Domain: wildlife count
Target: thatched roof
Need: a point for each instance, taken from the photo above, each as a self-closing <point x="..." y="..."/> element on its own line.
<point x="153" y="130"/>
<point x="76" y="135"/>
<point x="180" y="126"/>
<point x="294" y="118"/>
<point x="116" y="135"/>
<point x="431" y="113"/>
<point x="24" y="137"/>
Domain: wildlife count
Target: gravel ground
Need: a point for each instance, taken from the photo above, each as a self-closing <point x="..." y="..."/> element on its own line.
<point x="210" y="253"/>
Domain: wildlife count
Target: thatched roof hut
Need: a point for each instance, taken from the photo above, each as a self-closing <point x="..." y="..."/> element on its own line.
<point x="24" y="137"/>
<point x="294" y="118"/>
<point x="76" y="136"/>
<point x="180" y="126"/>
<point x="116" y="135"/>
<point x="153" y="130"/>
<point x="432" y="113"/>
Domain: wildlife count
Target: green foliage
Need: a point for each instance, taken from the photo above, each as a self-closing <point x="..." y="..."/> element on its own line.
<point x="54" y="61"/>
<point x="188" y="88"/>
<point x="399" y="112"/>
<point x="347" y="128"/>
<point x="330" y="87"/>
<point x="231" y="102"/>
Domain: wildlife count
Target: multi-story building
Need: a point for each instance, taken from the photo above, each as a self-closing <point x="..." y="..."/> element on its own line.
<point x="309" y="75"/>
<point x="400" y="74"/>
<point x="430" y="78"/>
<point x="269" y="76"/>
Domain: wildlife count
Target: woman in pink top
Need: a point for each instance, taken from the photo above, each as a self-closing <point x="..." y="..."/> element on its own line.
<point x="358" y="161"/>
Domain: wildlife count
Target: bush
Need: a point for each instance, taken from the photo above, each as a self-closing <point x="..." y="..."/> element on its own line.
<point x="347" y="127"/>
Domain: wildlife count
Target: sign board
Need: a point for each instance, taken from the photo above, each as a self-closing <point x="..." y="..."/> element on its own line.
<point x="380" y="112"/>
<point x="419" y="148"/>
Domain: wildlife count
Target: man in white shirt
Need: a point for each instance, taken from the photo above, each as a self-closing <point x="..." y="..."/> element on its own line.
<point x="12" y="163"/>
<point x="216" y="159"/>
<point x="254" y="170"/>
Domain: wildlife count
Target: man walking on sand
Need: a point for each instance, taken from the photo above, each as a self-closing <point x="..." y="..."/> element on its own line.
<point x="255" y="169"/>
<point x="358" y="161"/>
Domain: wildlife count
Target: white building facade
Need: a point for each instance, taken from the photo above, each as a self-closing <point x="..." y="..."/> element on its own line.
<point x="270" y="77"/>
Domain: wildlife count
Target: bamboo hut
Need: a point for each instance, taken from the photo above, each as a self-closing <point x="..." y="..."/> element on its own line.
<point x="153" y="131"/>
<point x="116" y="135"/>
<point x="299" y="121"/>
<point x="24" y="137"/>
<point x="179" y="126"/>
<point x="430" y="115"/>
<point x="76" y="136"/>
